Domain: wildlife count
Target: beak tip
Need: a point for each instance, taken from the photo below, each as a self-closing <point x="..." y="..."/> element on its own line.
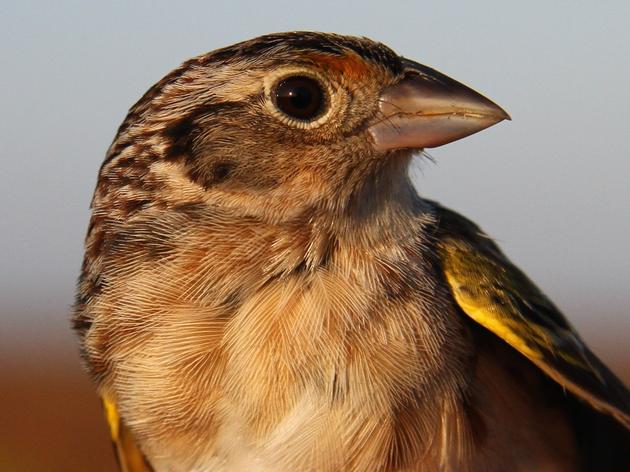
<point x="493" y="109"/>
<point x="505" y="115"/>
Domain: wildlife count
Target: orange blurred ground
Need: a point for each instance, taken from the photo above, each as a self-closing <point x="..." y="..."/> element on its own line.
<point x="50" y="420"/>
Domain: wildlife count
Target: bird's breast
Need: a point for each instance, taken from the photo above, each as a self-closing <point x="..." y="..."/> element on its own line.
<point x="332" y="368"/>
<point x="224" y="358"/>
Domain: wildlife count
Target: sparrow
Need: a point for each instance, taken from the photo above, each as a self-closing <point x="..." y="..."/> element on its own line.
<point x="263" y="288"/>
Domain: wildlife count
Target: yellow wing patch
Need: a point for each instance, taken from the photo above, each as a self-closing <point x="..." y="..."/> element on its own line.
<point x="496" y="294"/>
<point x="478" y="288"/>
<point x="505" y="331"/>
<point x="130" y="458"/>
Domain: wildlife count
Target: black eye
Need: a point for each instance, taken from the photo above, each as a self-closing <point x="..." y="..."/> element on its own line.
<point x="300" y="97"/>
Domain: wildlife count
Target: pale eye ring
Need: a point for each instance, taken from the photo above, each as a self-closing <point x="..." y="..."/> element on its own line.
<point x="300" y="97"/>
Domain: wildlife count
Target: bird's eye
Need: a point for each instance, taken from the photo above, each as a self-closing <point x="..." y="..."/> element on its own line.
<point x="300" y="97"/>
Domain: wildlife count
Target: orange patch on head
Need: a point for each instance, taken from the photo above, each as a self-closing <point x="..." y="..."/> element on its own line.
<point x="350" y="65"/>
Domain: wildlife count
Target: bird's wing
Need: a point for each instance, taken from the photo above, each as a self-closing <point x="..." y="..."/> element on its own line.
<point x="498" y="296"/>
<point x="130" y="458"/>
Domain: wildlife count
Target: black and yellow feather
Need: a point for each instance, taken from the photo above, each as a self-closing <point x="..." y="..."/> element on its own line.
<point x="500" y="297"/>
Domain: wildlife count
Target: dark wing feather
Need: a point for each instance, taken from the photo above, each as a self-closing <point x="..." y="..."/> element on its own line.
<point x="497" y="295"/>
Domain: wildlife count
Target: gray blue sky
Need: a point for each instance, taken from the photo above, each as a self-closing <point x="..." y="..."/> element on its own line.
<point x="551" y="186"/>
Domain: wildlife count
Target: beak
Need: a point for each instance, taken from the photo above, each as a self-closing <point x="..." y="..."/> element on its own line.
<point x="427" y="109"/>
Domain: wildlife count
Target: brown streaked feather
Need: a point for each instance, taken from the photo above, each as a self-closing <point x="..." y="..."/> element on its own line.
<point x="497" y="295"/>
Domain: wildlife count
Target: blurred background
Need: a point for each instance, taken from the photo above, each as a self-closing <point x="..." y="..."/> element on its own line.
<point x="551" y="186"/>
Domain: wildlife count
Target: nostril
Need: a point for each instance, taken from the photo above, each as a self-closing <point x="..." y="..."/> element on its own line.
<point x="410" y="74"/>
<point x="414" y="69"/>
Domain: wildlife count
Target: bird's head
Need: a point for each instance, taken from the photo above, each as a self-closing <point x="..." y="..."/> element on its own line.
<point x="245" y="169"/>
<point x="287" y="123"/>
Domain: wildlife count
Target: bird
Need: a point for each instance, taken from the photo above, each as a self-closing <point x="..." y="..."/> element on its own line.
<point x="264" y="289"/>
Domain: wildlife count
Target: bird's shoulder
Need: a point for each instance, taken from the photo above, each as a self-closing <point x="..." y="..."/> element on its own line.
<point x="496" y="294"/>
